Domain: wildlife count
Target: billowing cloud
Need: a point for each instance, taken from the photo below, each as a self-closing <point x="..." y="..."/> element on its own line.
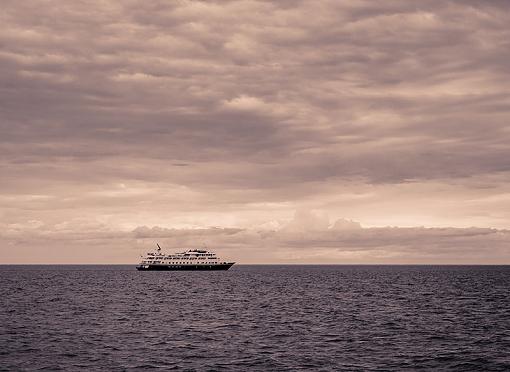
<point x="192" y="114"/>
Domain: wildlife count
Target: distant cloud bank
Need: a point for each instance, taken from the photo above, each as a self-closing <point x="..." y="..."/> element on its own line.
<point x="308" y="238"/>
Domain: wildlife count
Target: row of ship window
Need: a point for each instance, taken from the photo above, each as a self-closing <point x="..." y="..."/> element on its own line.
<point x="194" y="258"/>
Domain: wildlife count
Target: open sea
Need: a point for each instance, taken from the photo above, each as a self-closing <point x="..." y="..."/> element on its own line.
<point x="260" y="318"/>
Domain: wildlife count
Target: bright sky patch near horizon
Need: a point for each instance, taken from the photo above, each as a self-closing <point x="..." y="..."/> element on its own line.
<point x="272" y="131"/>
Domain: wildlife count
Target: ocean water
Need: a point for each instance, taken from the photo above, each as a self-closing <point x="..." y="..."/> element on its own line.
<point x="261" y="318"/>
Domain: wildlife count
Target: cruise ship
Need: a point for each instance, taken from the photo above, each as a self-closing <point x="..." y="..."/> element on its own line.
<point x="193" y="259"/>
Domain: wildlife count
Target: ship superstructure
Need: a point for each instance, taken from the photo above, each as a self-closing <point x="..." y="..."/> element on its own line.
<point x="193" y="259"/>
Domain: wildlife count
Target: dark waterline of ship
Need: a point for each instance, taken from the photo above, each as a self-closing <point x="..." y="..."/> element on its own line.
<point x="288" y="318"/>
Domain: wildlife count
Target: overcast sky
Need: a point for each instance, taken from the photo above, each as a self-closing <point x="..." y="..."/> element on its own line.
<point x="272" y="131"/>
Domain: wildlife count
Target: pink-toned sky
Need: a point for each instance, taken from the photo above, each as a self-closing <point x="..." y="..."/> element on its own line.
<point x="271" y="131"/>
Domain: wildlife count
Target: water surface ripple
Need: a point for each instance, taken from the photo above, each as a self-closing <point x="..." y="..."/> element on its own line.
<point x="267" y="318"/>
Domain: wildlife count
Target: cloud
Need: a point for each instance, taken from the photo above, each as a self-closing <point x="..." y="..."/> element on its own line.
<point x="245" y="103"/>
<point x="387" y="113"/>
<point x="345" y="224"/>
<point x="307" y="220"/>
